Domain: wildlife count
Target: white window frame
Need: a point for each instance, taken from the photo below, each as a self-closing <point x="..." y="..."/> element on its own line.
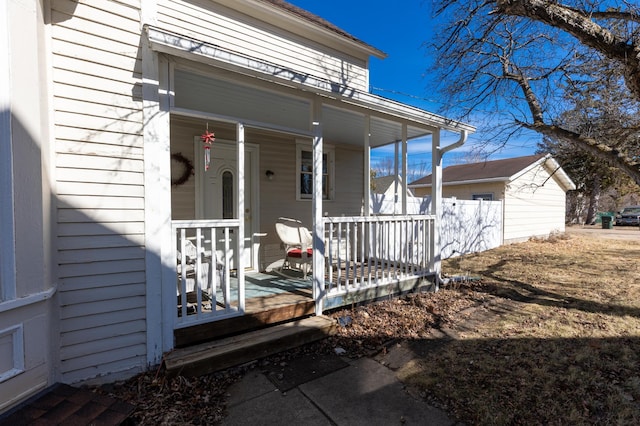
<point x="329" y="151"/>
<point x="486" y="196"/>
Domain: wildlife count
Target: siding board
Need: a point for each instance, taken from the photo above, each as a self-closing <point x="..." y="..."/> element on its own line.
<point x="85" y="201"/>
<point x="102" y="306"/>
<point x="118" y="63"/>
<point x="97" y="320"/>
<point x="97" y="281"/>
<point x="101" y="176"/>
<point x="91" y="229"/>
<point x="99" y="150"/>
<point x="81" y="350"/>
<point x="97" y="124"/>
<point x="96" y="162"/>
<point x="104" y="111"/>
<point x="100" y="241"/>
<point x="105" y="293"/>
<point x="117" y="16"/>
<point x="123" y="368"/>
<point x="97" y="268"/>
<point x="106" y="331"/>
<point x="100" y="254"/>
<point x="116" y="100"/>
<point x="131" y="361"/>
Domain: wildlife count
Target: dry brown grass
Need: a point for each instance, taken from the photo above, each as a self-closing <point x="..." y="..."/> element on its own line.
<point x="558" y="344"/>
<point x="549" y="334"/>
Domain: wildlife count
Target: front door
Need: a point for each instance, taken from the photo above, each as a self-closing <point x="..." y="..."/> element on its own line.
<point x="217" y="191"/>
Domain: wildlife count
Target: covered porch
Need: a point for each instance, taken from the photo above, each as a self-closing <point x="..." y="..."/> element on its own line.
<point x="285" y="147"/>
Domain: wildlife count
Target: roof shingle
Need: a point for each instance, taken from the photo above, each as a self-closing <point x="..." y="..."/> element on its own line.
<point x="497" y="169"/>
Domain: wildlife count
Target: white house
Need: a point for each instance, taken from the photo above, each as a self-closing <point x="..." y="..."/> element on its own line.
<point x="532" y="188"/>
<point x="110" y="219"/>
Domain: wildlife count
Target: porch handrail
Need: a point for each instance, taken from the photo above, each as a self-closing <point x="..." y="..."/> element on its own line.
<point x="203" y="264"/>
<point x="371" y="251"/>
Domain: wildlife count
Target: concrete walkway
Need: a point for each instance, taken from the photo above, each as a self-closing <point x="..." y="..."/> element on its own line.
<point x="328" y="391"/>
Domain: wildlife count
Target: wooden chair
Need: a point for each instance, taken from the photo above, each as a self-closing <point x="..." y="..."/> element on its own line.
<point x="297" y="242"/>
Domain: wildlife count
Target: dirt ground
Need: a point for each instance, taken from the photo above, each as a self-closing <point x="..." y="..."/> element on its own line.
<point x="631" y="233"/>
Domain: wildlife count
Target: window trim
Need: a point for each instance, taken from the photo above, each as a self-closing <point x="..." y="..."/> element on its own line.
<point x="485" y="196"/>
<point x="329" y="151"/>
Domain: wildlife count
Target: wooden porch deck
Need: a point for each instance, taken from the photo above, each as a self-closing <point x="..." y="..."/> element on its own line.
<point x="270" y="299"/>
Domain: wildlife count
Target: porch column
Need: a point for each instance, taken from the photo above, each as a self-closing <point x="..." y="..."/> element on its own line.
<point x="367" y="166"/>
<point x="436" y="204"/>
<point x="241" y="243"/>
<point x="159" y="260"/>
<point x="318" y="225"/>
<point x="404" y="169"/>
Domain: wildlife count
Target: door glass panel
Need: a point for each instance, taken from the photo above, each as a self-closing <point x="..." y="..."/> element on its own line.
<point x="227" y="195"/>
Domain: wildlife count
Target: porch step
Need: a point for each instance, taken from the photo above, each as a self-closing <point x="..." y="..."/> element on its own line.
<point x="220" y="354"/>
<point x="260" y="313"/>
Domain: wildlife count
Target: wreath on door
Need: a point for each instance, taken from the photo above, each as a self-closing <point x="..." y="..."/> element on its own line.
<point x="184" y="169"/>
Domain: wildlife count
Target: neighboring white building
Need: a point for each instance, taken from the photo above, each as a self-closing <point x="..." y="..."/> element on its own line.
<point x="103" y="184"/>
<point x="532" y="189"/>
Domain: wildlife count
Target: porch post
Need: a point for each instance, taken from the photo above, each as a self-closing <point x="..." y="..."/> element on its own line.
<point x="240" y="193"/>
<point x="396" y="173"/>
<point x="367" y="166"/>
<point x="159" y="260"/>
<point x="404" y="169"/>
<point x="318" y="225"/>
<point x="436" y="204"/>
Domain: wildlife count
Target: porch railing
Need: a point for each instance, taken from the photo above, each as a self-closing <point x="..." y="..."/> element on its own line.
<point x="205" y="288"/>
<point x="373" y="251"/>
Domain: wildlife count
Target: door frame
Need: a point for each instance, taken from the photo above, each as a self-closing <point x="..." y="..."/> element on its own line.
<point x="252" y="150"/>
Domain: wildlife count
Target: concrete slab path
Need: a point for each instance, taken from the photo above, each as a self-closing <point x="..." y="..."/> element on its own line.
<point x="360" y="392"/>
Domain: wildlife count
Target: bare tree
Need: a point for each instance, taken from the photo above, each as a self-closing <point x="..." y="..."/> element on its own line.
<point x="519" y="55"/>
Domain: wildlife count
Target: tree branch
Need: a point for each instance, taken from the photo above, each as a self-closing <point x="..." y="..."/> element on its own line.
<point x="580" y="25"/>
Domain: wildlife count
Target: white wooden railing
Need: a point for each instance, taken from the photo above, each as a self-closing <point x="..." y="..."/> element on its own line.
<point x="372" y="251"/>
<point x="204" y="258"/>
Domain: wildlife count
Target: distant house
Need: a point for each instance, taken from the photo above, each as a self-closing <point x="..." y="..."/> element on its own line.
<point x="532" y="188"/>
<point x="386" y="197"/>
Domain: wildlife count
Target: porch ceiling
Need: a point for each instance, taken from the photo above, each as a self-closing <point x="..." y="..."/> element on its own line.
<point x="346" y="127"/>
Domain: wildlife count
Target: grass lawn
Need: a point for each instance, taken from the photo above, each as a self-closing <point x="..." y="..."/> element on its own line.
<point x="556" y="341"/>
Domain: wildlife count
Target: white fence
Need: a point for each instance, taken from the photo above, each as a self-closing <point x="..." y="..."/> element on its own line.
<point x="467" y="226"/>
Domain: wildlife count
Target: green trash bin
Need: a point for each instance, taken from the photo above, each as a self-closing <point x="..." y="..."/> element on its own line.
<point x="607" y="222"/>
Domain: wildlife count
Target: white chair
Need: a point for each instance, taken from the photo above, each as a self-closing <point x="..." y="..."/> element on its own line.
<point x="297" y="241"/>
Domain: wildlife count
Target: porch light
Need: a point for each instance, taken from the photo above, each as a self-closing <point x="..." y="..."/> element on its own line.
<point x="269" y="174"/>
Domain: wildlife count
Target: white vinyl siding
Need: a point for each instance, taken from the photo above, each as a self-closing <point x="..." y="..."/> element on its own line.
<point x="534" y="206"/>
<point x="218" y="25"/>
<point x="100" y="184"/>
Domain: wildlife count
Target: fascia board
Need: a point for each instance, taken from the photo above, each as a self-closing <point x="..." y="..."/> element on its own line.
<point x="463" y="182"/>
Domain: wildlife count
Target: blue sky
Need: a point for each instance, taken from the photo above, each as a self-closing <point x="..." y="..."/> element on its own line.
<point x="400" y="29"/>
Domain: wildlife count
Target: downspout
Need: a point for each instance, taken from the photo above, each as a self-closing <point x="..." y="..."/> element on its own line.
<point x="463" y="138"/>
<point x="436" y="201"/>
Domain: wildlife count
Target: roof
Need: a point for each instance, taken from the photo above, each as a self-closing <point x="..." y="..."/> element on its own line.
<point x="497" y="171"/>
<point x="384" y="182"/>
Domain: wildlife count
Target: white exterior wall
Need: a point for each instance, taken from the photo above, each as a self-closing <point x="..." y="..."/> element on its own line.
<point x="99" y="165"/>
<point x="534" y="206"/>
<point x="27" y="288"/>
<point x="213" y="23"/>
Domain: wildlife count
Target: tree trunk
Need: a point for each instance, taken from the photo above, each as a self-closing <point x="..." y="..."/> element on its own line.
<point x="594" y="202"/>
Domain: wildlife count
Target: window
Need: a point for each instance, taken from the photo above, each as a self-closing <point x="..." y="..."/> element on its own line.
<point x="227" y="195"/>
<point x="486" y="197"/>
<point x="304" y="180"/>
